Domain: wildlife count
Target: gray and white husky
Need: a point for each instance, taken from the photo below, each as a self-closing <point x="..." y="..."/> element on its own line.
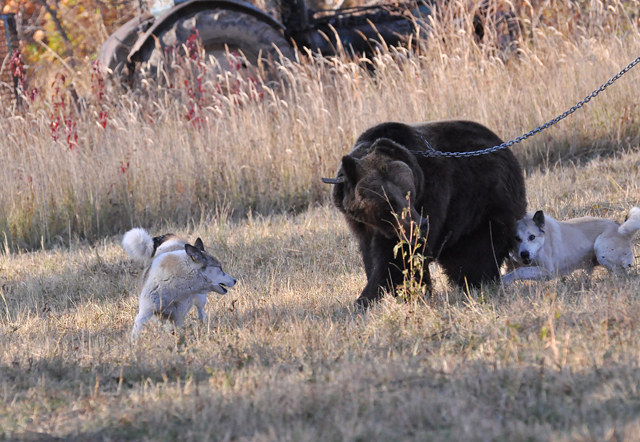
<point x="177" y="275"/>
<point x="549" y="248"/>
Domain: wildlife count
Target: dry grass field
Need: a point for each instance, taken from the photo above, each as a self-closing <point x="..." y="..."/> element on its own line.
<point x="285" y="356"/>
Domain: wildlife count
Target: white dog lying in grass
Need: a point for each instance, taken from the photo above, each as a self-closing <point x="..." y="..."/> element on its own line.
<point x="177" y="275"/>
<point x="549" y="248"/>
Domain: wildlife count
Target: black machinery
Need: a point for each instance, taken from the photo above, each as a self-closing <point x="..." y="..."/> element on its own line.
<point x="234" y="25"/>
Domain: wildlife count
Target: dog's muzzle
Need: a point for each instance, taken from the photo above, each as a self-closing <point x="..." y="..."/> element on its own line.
<point x="224" y="288"/>
<point x="526" y="258"/>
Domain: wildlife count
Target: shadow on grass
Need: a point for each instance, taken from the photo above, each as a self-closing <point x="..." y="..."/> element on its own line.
<point x="354" y="401"/>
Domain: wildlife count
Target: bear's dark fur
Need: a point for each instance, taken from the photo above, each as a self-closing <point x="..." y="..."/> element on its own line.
<point x="468" y="207"/>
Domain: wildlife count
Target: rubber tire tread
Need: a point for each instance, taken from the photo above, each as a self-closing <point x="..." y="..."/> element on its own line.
<point x="218" y="26"/>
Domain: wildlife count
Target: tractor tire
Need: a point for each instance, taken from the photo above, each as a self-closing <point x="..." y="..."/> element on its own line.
<point x="505" y="29"/>
<point x="219" y="31"/>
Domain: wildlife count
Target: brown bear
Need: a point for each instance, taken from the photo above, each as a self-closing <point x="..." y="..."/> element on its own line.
<point x="467" y="207"/>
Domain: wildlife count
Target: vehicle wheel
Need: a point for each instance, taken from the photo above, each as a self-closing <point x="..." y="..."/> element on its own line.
<point x="501" y="27"/>
<point x="219" y="31"/>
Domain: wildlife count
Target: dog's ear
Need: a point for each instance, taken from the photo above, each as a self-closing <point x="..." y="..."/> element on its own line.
<point x="538" y="218"/>
<point x="194" y="253"/>
<point x="199" y="245"/>
<point x="350" y="168"/>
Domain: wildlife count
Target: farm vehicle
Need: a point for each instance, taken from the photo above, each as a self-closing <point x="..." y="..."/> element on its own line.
<point x="234" y="26"/>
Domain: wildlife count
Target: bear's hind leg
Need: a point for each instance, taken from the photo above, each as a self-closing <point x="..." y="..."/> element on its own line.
<point x="476" y="258"/>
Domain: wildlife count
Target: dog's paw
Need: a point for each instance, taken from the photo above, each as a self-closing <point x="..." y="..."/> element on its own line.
<point x="509" y="279"/>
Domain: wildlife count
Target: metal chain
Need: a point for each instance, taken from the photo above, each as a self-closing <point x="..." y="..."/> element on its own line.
<point x="431" y="152"/>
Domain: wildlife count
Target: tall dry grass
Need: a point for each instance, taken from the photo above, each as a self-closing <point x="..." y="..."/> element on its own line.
<point x="264" y="149"/>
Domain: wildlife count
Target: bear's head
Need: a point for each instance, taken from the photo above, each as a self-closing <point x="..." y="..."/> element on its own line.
<point x="371" y="189"/>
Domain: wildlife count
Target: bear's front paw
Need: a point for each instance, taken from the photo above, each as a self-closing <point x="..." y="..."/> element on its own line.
<point x="362" y="303"/>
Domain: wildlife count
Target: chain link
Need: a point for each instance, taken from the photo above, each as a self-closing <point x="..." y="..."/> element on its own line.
<point x="431" y="152"/>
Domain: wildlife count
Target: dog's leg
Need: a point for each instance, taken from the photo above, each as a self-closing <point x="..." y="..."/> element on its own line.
<point x="200" y="301"/>
<point x="144" y="314"/>
<point x="615" y="253"/>
<point x="180" y="311"/>
<point x="526" y="273"/>
<point x="509" y="278"/>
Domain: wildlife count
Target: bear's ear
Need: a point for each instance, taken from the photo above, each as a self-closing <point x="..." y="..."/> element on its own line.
<point x="350" y="168"/>
<point x="398" y="152"/>
<point x="390" y="148"/>
<point x="538" y="218"/>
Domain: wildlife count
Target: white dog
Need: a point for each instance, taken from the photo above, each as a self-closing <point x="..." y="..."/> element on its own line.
<point x="177" y="275"/>
<point x="548" y="248"/>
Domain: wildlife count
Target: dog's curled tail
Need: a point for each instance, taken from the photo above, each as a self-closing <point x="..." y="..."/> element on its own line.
<point x="631" y="224"/>
<point x="139" y="245"/>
